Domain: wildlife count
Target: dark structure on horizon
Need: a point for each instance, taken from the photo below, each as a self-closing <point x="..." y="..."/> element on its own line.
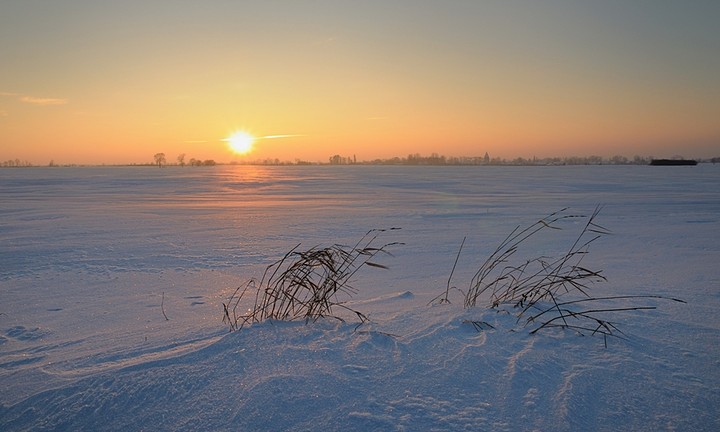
<point x="673" y="162"/>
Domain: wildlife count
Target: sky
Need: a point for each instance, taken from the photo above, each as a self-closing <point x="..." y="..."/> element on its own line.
<point x="95" y="81"/>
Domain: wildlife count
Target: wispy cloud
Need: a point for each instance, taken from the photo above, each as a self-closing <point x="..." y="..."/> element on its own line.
<point x="42" y="101"/>
<point x="327" y="41"/>
<point x="279" y="136"/>
<point x="254" y="138"/>
<point x="34" y="100"/>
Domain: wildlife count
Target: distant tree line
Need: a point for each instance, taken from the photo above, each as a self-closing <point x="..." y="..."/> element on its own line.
<point x="15" y="163"/>
<point x="339" y="160"/>
<point x="198" y="162"/>
<point x="160" y="160"/>
<point x="436" y="159"/>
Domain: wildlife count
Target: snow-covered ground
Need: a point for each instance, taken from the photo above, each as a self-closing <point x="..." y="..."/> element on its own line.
<point x="93" y="259"/>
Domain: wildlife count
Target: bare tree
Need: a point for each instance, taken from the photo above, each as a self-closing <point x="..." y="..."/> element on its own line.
<point x="160" y="159"/>
<point x="181" y="159"/>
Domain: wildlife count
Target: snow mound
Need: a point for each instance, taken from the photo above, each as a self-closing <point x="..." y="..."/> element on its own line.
<point x="427" y="368"/>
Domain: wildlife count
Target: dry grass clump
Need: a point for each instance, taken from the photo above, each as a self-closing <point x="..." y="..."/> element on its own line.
<point x="545" y="292"/>
<point x="306" y="284"/>
<point x="524" y="283"/>
<point x="542" y="292"/>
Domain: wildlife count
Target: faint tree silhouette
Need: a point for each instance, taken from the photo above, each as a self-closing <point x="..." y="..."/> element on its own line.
<point x="160" y="159"/>
<point x="181" y="159"/>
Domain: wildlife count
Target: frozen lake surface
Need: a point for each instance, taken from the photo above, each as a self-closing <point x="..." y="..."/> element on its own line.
<point x="92" y="259"/>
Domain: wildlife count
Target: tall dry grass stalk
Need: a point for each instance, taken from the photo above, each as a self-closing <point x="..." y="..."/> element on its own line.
<point x="306" y="284"/>
<point x="537" y="289"/>
<point x="502" y="279"/>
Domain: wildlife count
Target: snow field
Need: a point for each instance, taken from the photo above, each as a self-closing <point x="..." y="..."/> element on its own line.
<point x="92" y="258"/>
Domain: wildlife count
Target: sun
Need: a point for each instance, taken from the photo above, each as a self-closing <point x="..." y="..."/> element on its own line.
<point x="240" y="142"/>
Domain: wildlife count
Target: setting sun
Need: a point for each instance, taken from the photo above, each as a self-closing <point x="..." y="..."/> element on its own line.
<point x="240" y="142"/>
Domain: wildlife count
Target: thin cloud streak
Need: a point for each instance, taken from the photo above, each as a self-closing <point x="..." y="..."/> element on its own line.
<point x="261" y="137"/>
<point x="280" y="136"/>
<point x="43" y="101"/>
<point x="33" y="100"/>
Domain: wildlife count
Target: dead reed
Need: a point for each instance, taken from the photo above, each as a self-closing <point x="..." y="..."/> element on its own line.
<point x="524" y="282"/>
<point x="306" y="284"/>
<point x="542" y="292"/>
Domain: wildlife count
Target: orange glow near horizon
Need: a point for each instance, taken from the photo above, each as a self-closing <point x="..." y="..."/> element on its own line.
<point x="571" y="79"/>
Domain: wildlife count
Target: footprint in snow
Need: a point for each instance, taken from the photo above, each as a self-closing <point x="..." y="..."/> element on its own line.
<point x="196" y="299"/>
<point x="355" y="369"/>
<point x="25" y="334"/>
